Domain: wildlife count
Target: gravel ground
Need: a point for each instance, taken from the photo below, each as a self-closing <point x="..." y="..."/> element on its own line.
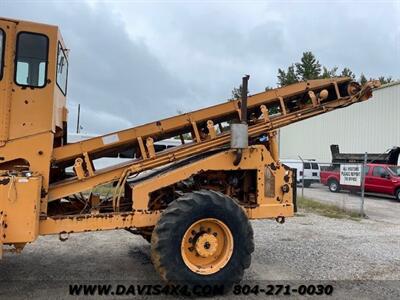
<point x="359" y="258"/>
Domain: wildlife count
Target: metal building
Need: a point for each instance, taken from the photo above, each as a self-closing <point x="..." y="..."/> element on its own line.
<point x="372" y="126"/>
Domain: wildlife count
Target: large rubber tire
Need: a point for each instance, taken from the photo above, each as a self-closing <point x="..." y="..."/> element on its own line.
<point x="398" y="195"/>
<point x="147" y="237"/>
<point x="307" y="184"/>
<point x="179" y="216"/>
<point x="334" y="185"/>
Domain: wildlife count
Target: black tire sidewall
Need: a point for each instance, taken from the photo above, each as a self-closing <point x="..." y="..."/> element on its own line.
<point x="333" y="181"/>
<point x="239" y="231"/>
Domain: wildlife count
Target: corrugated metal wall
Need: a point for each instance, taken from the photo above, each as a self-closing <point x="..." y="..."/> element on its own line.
<point x="372" y="126"/>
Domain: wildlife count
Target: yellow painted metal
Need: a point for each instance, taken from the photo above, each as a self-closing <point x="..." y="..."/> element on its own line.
<point x="19" y="208"/>
<point x="5" y="91"/>
<point x="27" y="127"/>
<point x="254" y="158"/>
<point x="273" y="145"/>
<point x="36" y="151"/>
<point x="37" y="110"/>
<point x="207" y="246"/>
<point x="95" y="222"/>
<point x="211" y="130"/>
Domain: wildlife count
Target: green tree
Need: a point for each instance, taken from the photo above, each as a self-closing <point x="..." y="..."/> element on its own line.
<point x="348" y="73"/>
<point x="309" y="67"/>
<point x="326" y="73"/>
<point x="363" y="80"/>
<point x="386" y="80"/>
<point x="236" y="93"/>
<point x="288" y="77"/>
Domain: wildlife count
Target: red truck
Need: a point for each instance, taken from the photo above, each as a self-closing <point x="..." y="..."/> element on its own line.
<point x="379" y="178"/>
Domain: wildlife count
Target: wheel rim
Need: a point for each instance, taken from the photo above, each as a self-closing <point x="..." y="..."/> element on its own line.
<point x="333" y="186"/>
<point x="207" y="246"/>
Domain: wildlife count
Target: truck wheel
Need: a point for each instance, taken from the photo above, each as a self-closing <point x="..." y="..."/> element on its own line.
<point x="147" y="237"/>
<point x="398" y="194"/>
<point x="334" y="185"/>
<point x="202" y="238"/>
<point x="307" y="184"/>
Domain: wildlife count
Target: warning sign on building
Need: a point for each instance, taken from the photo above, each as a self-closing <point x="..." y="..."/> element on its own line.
<point x="350" y="174"/>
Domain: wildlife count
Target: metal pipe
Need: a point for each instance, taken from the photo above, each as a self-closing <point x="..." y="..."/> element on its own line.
<point x="243" y="103"/>
<point x="302" y="178"/>
<point x="364" y="165"/>
<point x="243" y="114"/>
<point x="238" y="157"/>
<point x="78" y="125"/>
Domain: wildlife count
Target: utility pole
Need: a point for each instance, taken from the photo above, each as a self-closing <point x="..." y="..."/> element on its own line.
<point x="302" y="178"/>
<point x="362" y="213"/>
<point x="77" y="122"/>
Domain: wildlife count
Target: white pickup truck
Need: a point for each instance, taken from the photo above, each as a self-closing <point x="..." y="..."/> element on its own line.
<point x="310" y="171"/>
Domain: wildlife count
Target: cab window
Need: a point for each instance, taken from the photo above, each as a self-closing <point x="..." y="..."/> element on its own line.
<point x="380" y="172"/>
<point x="31" y="59"/>
<point x="307" y="165"/>
<point x="62" y="69"/>
<point x="366" y="170"/>
<point x="2" y="41"/>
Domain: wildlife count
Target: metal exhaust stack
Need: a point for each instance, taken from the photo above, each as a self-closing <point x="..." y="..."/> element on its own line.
<point x="239" y="132"/>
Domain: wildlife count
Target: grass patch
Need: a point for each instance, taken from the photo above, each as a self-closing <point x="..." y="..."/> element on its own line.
<point x="326" y="210"/>
<point x="104" y="189"/>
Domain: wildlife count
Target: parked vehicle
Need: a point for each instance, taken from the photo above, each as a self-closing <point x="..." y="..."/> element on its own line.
<point x="311" y="170"/>
<point x="124" y="156"/>
<point x="389" y="157"/>
<point x="379" y="178"/>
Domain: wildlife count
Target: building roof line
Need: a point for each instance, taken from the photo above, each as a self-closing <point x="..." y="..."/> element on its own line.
<point x="388" y="85"/>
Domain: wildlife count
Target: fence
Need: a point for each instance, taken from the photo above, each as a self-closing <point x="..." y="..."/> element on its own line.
<point x="348" y="175"/>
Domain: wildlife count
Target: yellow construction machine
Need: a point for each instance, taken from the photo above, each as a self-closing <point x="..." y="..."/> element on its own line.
<point x="192" y="202"/>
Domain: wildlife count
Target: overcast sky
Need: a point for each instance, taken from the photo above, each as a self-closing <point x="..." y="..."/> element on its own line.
<point x="133" y="62"/>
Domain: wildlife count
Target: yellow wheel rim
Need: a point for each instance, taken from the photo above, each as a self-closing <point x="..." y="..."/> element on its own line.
<point x="207" y="246"/>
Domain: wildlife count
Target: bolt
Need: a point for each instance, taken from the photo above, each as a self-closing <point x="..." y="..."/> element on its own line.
<point x="215" y="234"/>
<point x="193" y="232"/>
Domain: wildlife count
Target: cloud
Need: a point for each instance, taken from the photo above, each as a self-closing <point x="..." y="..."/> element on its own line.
<point x="220" y="41"/>
<point x="135" y="62"/>
<point x="116" y="80"/>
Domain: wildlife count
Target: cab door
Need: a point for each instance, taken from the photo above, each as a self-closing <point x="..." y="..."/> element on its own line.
<point x="380" y="181"/>
<point x="7" y="42"/>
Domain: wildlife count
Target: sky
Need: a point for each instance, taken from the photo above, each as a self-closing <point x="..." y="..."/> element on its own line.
<point x="134" y="62"/>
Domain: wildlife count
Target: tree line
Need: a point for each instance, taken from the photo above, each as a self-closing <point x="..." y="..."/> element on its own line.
<point x="309" y="68"/>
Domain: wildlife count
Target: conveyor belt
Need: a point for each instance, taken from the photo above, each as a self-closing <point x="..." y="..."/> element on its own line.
<point x="316" y="97"/>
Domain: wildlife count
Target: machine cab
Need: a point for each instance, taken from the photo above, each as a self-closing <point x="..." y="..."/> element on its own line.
<point x="33" y="81"/>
